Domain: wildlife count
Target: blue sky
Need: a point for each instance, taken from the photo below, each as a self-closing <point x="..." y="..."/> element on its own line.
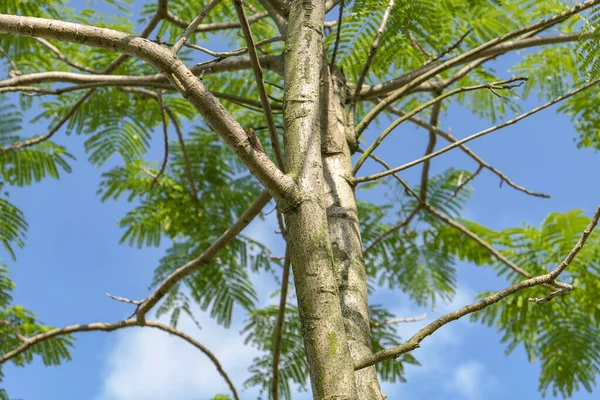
<point x="73" y="257"/>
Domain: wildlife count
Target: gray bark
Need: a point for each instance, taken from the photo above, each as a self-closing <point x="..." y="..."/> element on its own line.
<point x="331" y="365"/>
<point x="344" y="230"/>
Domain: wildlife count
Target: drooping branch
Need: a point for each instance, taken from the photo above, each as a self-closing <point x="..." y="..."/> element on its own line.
<point x="505" y="84"/>
<point x="28" y="342"/>
<point x="258" y="76"/>
<point x="482" y="163"/>
<point x="478" y="134"/>
<point x="476" y="53"/>
<point x="417" y="338"/>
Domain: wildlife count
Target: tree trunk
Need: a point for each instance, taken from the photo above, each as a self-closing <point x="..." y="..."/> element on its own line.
<point x="344" y="230"/>
<point x="330" y="363"/>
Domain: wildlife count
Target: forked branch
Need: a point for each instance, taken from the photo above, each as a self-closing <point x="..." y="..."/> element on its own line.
<point x="415" y="341"/>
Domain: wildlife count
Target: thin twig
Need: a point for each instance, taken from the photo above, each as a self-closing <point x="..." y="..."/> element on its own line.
<point x="403" y="320"/>
<point x="165" y="126"/>
<point x="454" y="46"/>
<point x="393" y="229"/>
<point x="428" y="207"/>
<point x="221" y="55"/>
<point x="186" y="160"/>
<point x="465" y="183"/>
<point x="433" y="121"/>
<point x="258" y="75"/>
<point x="450" y="138"/>
<point x="338" y="35"/>
<point x="505" y="84"/>
<point x="64" y="59"/>
<point x="16" y="330"/>
<point x="216" y="26"/>
<point x="417" y="338"/>
<point x="369" y="61"/>
<point x="205" y="258"/>
<point x="51" y="132"/>
<point x="279" y="325"/>
<point x="123" y="299"/>
<point x="478" y="134"/>
<point x="193" y="25"/>
<point x="418" y="45"/>
<point x="556" y="293"/>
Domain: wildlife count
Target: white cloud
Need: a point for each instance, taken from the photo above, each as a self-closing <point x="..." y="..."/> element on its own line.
<point x="469" y="380"/>
<point x="149" y="364"/>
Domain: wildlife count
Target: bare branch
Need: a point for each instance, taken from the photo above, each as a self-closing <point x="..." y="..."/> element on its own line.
<point x="108" y="327"/>
<point x="478" y="134"/>
<point x="400" y="320"/>
<point x="51" y="132"/>
<point x="258" y="75"/>
<point x="505" y="84"/>
<point x="123" y="299"/>
<point x="416" y="339"/>
<point x="403" y="320"/>
<point x="475" y="52"/>
<point x="464" y="230"/>
<point x="217" y="26"/>
<point x="221" y="55"/>
<point x="193" y="25"/>
<point x="279" y="326"/>
<point x="449" y="137"/>
<point x="205" y="258"/>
